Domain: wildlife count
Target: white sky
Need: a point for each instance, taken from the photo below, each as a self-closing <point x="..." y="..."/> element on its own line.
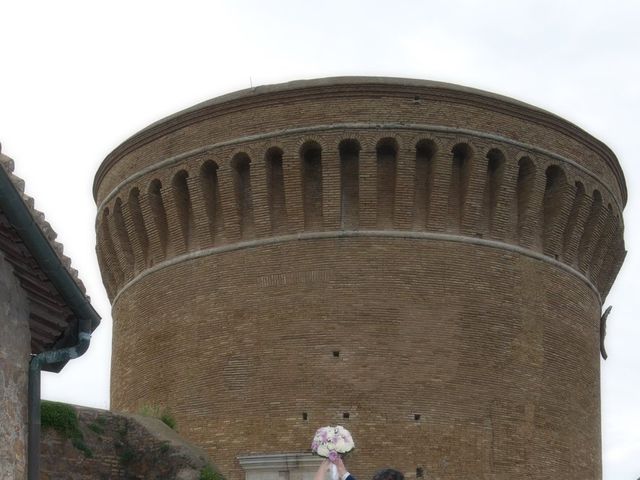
<point x="77" y="78"/>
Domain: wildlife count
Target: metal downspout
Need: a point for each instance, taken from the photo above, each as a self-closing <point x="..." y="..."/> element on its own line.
<point x="35" y="366"/>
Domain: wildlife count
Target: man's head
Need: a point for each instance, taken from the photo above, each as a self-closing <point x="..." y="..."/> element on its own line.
<point x="388" y="474"/>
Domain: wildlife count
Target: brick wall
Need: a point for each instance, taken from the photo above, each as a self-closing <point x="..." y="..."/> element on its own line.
<point x="15" y="350"/>
<point x="428" y="262"/>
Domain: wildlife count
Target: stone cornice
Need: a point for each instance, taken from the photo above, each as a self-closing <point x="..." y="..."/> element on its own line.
<point x="359" y="86"/>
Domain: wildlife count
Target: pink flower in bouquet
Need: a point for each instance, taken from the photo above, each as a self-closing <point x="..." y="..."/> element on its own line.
<point x="331" y="442"/>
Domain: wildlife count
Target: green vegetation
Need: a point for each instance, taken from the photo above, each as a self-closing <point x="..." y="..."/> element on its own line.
<point x="164" y="447"/>
<point x="127" y="456"/>
<point x="161" y="413"/>
<point x="123" y="429"/>
<point x="96" y="428"/>
<point x="80" y="445"/>
<point x="168" y="420"/>
<point x="208" y="473"/>
<point x="63" y="419"/>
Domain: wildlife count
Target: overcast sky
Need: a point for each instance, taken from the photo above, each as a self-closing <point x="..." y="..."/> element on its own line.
<point x="78" y="78"/>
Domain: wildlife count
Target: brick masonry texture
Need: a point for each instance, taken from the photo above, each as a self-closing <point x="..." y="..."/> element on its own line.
<point x="123" y="447"/>
<point x="15" y="350"/>
<point x="426" y="260"/>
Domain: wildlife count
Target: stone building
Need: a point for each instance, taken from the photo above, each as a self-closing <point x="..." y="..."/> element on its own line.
<point x="43" y="302"/>
<point x="423" y="263"/>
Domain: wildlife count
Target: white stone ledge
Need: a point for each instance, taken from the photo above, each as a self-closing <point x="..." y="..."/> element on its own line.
<point x="400" y="234"/>
<point x="280" y="466"/>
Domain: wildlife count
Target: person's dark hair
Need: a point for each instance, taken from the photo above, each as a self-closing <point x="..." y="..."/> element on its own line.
<point x="388" y="474"/>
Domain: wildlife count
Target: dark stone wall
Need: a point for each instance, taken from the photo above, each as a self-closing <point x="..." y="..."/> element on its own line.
<point x="115" y="446"/>
<point x="15" y="350"/>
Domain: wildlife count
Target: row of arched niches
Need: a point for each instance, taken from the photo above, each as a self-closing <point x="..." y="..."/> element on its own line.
<point x="459" y="186"/>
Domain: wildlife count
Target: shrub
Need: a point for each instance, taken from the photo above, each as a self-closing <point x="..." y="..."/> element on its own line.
<point x="208" y="473"/>
<point x="61" y="417"/>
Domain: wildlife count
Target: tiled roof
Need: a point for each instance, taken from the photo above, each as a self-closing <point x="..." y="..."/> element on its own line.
<point x="52" y="321"/>
<point x="39" y="217"/>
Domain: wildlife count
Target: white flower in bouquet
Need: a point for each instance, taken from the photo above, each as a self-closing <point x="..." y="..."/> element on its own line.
<point x="322" y="450"/>
<point x="331" y="442"/>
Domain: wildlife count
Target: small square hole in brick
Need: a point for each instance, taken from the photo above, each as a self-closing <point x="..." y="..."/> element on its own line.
<point x="305" y="416"/>
<point x="336" y="353"/>
<point x="419" y="472"/>
<point x="416" y="416"/>
<point x="345" y="415"/>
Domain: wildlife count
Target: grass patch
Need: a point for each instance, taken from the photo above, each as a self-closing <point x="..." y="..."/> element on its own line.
<point x="164" y="447"/>
<point x="63" y="419"/>
<point x="159" y="412"/>
<point x="168" y="420"/>
<point x="208" y="473"/>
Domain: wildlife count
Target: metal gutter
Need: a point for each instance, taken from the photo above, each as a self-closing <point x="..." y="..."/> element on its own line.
<point x="40" y="248"/>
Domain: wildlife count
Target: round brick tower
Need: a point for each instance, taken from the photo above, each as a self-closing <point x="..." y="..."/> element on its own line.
<point x="421" y="262"/>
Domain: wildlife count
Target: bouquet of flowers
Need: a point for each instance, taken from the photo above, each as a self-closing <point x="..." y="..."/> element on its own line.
<point x="331" y="442"/>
